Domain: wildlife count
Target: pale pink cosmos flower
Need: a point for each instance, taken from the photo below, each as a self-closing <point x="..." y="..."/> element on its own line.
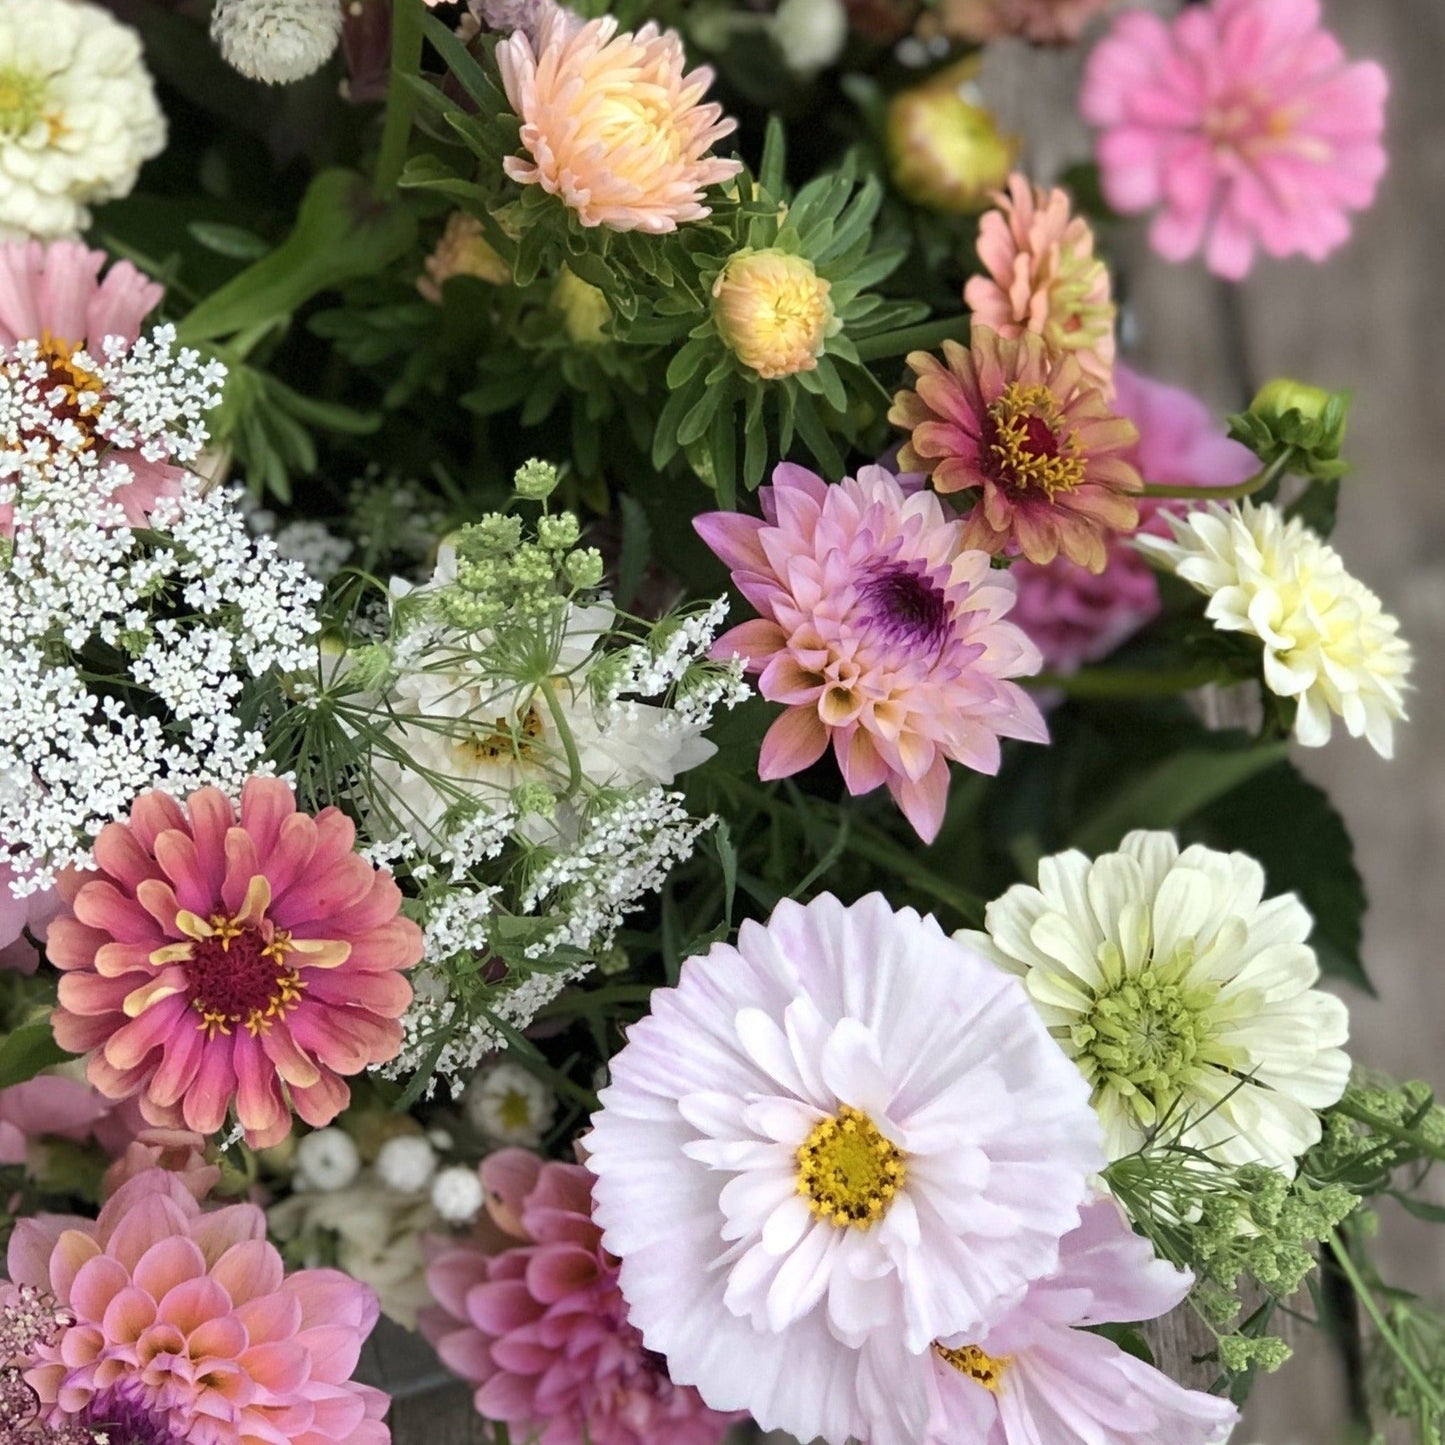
<point x="881" y="632"/>
<point x="216" y="958"/>
<point x="532" y="1315"/>
<point x="19" y="916"/>
<point x="53" y="293"/>
<point x="185" y="1324"/>
<point x="1077" y="616"/>
<point x="1035" y="1374"/>
<point x="614" y="124"/>
<point x="1043" y="276"/>
<point x="1243" y="123"/>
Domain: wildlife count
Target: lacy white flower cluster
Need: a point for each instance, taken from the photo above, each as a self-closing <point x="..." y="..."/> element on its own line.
<point x="129" y="644"/>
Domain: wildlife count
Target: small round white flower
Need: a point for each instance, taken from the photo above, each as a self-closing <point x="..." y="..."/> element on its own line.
<point x="78" y="114"/>
<point x="276" y="41"/>
<point x="406" y="1163"/>
<point x="810" y="33"/>
<point x="1328" y="642"/>
<point x="510" y="1106"/>
<point x="1185" y="996"/>
<point x="456" y="1194"/>
<point x="327" y="1160"/>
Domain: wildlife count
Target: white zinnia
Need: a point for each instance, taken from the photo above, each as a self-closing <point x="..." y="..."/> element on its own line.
<point x="510" y="1106"/>
<point x="1327" y="640"/>
<point x="78" y="115"/>
<point x="276" y="41"/>
<point x="847" y="1126"/>
<point x="1186" y="997"/>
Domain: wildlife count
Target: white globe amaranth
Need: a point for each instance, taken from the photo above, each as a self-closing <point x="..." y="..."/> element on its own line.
<point x="406" y="1163"/>
<point x="810" y="33"/>
<point x="457" y="1195"/>
<point x="78" y="115"/>
<point x="327" y="1160"/>
<point x="276" y="41"/>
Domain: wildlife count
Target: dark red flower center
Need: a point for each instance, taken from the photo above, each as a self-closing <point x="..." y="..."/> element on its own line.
<point x="1028" y="445"/>
<point x="240" y="976"/>
<point x="907" y="606"/>
<point x="64" y="385"/>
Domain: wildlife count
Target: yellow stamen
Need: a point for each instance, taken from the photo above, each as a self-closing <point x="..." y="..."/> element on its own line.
<point x="1032" y="445"/>
<point x="848" y="1171"/>
<point x="969" y="1360"/>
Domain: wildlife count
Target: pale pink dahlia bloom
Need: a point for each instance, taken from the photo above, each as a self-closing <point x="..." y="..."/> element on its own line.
<point x="1043" y="276"/>
<point x="536" y="1321"/>
<point x="218" y="959"/>
<point x="848" y="1130"/>
<point x="53" y="293"/>
<point x="1033" y="441"/>
<point x="880" y="631"/>
<point x="184" y="1324"/>
<point x="614" y="124"/>
<point x="1244" y="122"/>
<point x="1035" y="1375"/>
<point x="1076" y="616"/>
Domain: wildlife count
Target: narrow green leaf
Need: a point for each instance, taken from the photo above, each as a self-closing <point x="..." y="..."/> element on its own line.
<point x="27" y="1051"/>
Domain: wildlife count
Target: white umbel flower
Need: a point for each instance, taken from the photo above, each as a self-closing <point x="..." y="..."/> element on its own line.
<point x="510" y="1106"/>
<point x="276" y="41"/>
<point x="847" y="1127"/>
<point x="78" y="115"/>
<point x="1185" y="996"/>
<point x="1328" y="642"/>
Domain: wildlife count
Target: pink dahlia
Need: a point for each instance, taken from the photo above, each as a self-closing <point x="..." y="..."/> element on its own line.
<point x="54" y="294"/>
<point x="1077" y="616"/>
<point x="217" y="959"/>
<point x="178" y="1151"/>
<point x="1021" y="427"/>
<point x="1044" y="22"/>
<point x="538" y="1323"/>
<point x="1043" y="276"/>
<point x="614" y="123"/>
<point x="881" y="632"/>
<point x="1244" y="121"/>
<point x="183" y="1326"/>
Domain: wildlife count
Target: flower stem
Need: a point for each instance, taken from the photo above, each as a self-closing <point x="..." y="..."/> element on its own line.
<point x="1247" y="488"/>
<point x="406" y="45"/>
<point x="569" y="743"/>
<point x="1119" y="682"/>
<point x="1381" y="1125"/>
<point x="926" y="336"/>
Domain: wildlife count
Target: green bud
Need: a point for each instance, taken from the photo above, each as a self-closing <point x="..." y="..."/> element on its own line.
<point x="612" y="962"/>
<point x="535" y="798"/>
<point x="535" y="480"/>
<point x="560" y="532"/>
<point x="1277" y="398"/>
<point x="584" y="567"/>
<point x="1306" y="422"/>
<point x="495" y="535"/>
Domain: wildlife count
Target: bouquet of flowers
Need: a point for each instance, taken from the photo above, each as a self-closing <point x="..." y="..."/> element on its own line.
<point x="627" y="737"/>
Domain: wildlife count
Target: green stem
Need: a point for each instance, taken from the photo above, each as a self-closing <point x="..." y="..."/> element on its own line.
<point x="1247" y="488"/>
<point x="1391" y="1130"/>
<point x="1119" y="682"/>
<point x="1382" y="1325"/>
<point x="569" y="743"/>
<point x="926" y="336"/>
<point x="406" y="44"/>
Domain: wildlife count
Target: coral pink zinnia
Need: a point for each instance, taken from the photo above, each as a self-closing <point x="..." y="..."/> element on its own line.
<point x="1244" y="121"/>
<point x="538" y="1323"/>
<point x="218" y="959"/>
<point x="182" y="1326"/>
<point x="1023" y="426"/>
<point x="613" y="123"/>
<point x="881" y="631"/>
<point x="1043" y="276"/>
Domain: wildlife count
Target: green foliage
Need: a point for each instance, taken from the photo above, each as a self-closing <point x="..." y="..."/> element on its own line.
<point x="27" y="1051"/>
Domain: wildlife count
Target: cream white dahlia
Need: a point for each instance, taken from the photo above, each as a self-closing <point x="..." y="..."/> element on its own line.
<point x="78" y="114"/>
<point x="849" y="1126"/>
<point x="1185" y="997"/>
<point x="1328" y="642"/>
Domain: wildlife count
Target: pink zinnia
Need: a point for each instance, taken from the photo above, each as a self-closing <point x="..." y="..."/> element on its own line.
<point x="881" y="631"/>
<point x="1035" y="443"/>
<point x="614" y="123"/>
<point x="54" y="294"/>
<point x="1077" y="616"/>
<point x="184" y="1326"/>
<point x="1043" y="276"/>
<point x="217" y="960"/>
<point x="538" y="1323"/>
<point x="1244" y="121"/>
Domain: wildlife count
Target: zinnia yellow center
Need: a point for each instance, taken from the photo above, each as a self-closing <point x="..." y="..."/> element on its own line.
<point x="774" y="311"/>
<point x="847" y="1171"/>
<point x="22" y="102"/>
<point x="969" y="1360"/>
<point x="1030" y="446"/>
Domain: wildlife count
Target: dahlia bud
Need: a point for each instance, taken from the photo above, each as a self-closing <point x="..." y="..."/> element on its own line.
<point x="462" y="251"/>
<point x="810" y="33"/>
<point x="276" y="41"/>
<point x="1305" y="421"/>
<point x="584" y="308"/>
<point x="773" y="309"/>
<point x="944" y="153"/>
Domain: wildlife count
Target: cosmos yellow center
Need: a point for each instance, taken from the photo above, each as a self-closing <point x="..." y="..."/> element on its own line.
<point x="969" y="1360"/>
<point x="501" y="743"/>
<point x="1030" y="446"/>
<point x="847" y="1171"/>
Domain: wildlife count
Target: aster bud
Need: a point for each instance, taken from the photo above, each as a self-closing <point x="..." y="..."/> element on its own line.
<point x="584" y="308"/>
<point x="774" y="311"/>
<point x="1291" y="416"/>
<point x="463" y="250"/>
<point x="535" y="481"/>
<point x="276" y="41"/>
<point x="944" y="153"/>
<point x="810" y="33"/>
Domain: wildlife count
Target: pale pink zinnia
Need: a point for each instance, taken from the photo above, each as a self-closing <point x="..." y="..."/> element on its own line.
<point x="54" y="294"/>
<point x="1244" y="121"/>
<point x="1037" y="1374"/>
<point x="881" y="632"/>
<point x="1043" y="276"/>
<point x="533" y="1316"/>
<point x="1077" y="616"/>
<point x="614" y="124"/>
<point x="1033" y="441"/>
<point x="216" y="959"/>
<point x="184" y="1326"/>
